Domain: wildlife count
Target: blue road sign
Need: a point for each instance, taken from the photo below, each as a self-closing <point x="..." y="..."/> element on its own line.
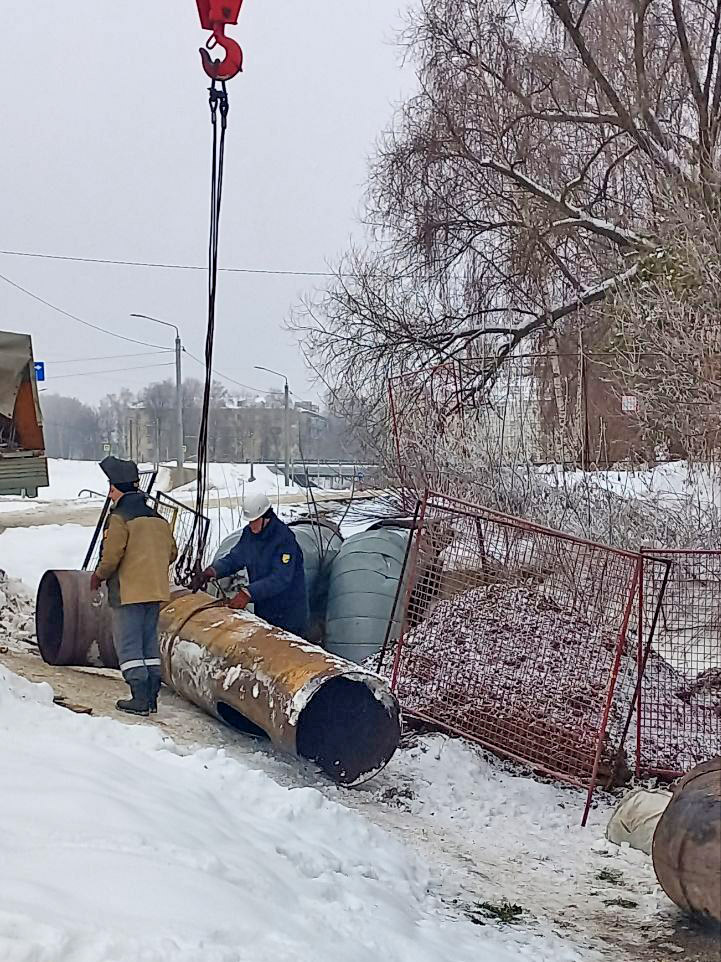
<point x="39" y="370"/>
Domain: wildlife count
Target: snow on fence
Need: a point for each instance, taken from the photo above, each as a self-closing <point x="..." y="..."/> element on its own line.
<point x="517" y="637"/>
<point x="678" y="710"/>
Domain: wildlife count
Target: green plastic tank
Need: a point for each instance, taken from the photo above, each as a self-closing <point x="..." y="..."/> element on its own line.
<point x="320" y="542"/>
<point x="364" y="578"/>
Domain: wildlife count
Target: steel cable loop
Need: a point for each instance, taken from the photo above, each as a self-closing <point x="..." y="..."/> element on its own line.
<point x="190" y="565"/>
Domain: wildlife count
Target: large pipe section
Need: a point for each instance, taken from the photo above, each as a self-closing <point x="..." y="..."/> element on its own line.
<point x="687" y="843"/>
<point x="262" y="680"/>
<point x="258" y="679"/>
<point x="70" y="625"/>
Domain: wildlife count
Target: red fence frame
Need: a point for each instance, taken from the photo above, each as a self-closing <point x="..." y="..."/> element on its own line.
<point x="678" y="697"/>
<point x="585" y="592"/>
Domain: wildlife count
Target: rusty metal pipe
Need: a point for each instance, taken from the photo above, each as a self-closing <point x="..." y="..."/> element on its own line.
<point x="258" y="678"/>
<point x="70" y="629"/>
<point x="687" y="843"/>
<point x="254" y="677"/>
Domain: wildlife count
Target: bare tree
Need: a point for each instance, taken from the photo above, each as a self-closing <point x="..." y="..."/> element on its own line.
<point x="522" y="183"/>
<point x="70" y="427"/>
<point x="666" y="337"/>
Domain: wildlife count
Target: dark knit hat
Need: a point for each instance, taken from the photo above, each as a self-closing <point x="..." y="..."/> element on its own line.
<point x="122" y="474"/>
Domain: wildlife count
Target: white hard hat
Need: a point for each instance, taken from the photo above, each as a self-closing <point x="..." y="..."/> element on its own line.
<point x="255" y="506"/>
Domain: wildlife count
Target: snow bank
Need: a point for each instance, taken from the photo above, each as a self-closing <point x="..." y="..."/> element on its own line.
<point x="68" y="478"/>
<point x="117" y="847"/>
<point x="17" y="613"/>
<point x="29" y="552"/>
<point x="233" y="481"/>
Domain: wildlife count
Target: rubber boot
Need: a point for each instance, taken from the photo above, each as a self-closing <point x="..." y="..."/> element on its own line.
<point x="139" y="702"/>
<point x="153" y="692"/>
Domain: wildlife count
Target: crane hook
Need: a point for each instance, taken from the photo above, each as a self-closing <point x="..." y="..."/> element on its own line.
<point x="231" y="64"/>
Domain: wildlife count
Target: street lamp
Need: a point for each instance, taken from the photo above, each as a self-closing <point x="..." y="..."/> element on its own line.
<point x="180" y="454"/>
<point x="286" y="432"/>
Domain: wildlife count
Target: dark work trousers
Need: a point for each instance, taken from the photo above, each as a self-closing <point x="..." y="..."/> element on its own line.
<point x="135" y="633"/>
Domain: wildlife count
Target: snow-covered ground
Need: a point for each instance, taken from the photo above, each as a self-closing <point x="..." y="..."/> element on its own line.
<point x="233" y="481"/>
<point x="118" y="845"/>
<point x="69" y="478"/>
<point x="674" y="482"/>
<point x="29" y="552"/>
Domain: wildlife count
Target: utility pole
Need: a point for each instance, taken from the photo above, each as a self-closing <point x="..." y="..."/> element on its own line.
<point x="180" y="443"/>
<point x="287" y="434"/>
<point x="179" y="440"/>
<point x="286" y="424"/>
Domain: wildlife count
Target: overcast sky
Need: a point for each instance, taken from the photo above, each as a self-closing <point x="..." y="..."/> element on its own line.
<point x="105" y="153"/>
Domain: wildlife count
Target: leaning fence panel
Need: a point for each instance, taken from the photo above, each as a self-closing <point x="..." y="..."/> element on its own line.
<point x="516" y="636"/>
<point x="678" y="718"/>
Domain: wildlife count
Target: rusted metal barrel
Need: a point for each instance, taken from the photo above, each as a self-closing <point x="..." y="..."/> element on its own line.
<point x="687" y="843"/>
<point x="70" y="629"/>
<point x="256" y="678"/>
<point x="262" y="680"/>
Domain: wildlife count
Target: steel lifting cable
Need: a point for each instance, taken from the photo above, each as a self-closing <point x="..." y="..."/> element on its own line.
<point x="190" y="564"/>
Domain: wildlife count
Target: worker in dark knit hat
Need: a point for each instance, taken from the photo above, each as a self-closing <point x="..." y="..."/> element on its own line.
<point x="138" y="549"/>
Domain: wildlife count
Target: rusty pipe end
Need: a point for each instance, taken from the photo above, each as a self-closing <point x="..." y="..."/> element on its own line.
<point x="70" y="629"/>
<point x="350" y="727"/>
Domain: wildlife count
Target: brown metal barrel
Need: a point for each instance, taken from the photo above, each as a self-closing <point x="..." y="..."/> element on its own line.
<point x="265" y="681"/>
<point x="687" y="843"/>
<point x="70" y="629"/>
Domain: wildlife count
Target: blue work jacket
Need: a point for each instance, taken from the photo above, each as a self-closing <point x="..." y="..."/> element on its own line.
<point x="276" y="574"/>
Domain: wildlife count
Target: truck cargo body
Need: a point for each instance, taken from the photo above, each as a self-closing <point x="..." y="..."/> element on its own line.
<point x="23" y="465"/>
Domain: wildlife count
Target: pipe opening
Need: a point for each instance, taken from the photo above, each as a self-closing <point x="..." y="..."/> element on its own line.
<point x="347" y="731"/>
<point x="49" y="617"/>
<point x="237" y="720"/>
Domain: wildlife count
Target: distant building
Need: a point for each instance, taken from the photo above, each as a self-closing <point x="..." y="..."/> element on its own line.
<point x="240" y="431"/>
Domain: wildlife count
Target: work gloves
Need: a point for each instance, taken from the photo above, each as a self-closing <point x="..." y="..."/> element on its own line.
<point x="201" y="579"/>
<point x="240" y="601"/>
<point x="95" y="582"/>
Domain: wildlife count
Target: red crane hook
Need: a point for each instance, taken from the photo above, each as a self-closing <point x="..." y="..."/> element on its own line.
<point x="215" y="15"/>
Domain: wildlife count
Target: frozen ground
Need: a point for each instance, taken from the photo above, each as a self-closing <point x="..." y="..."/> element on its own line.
<point x="233" y="837"/>
<point x="29" y="552"/>
<point x="119" y="845"/>
<point x="669" y="483"/>
<point x="233" y="480"/>
<point x="69" y="478"/>
<point x="179" y="839"/>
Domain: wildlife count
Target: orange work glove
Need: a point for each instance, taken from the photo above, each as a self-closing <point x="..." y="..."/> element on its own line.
<point x="240" y="601"/>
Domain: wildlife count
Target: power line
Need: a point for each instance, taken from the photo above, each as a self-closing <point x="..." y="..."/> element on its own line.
<point x="170" y="267"/>
<point x="115" y="370"/>
<point x="106" y="357"/>
<point x="74" y="317"/>
<point x="226" y="377"/>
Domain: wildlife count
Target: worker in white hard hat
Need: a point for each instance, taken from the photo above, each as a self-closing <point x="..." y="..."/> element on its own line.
<point x="273" y="559"/>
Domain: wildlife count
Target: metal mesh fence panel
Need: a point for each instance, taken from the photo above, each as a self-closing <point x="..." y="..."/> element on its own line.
<point x="515" y="636"/>
<point x="180" y="517"/>
<point x="678" y="718"/>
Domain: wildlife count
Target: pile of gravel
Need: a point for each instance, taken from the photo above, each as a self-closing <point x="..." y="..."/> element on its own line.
<point x="527" y="677"/>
